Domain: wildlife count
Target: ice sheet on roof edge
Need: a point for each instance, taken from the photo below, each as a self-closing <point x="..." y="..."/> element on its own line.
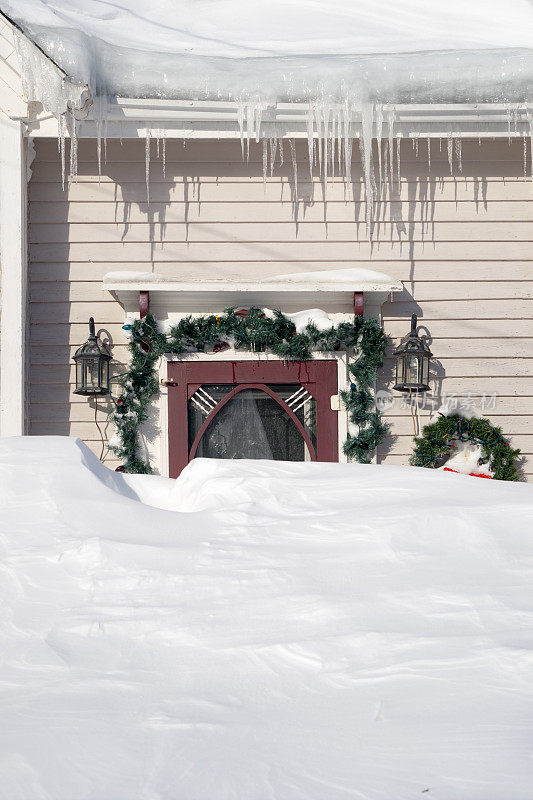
<point x="348" y="97"/>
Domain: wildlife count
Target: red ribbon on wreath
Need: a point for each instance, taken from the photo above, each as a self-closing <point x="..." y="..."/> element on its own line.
<point x="473" y="474"/>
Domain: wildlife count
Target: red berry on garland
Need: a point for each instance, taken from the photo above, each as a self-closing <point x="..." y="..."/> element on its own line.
<point x="122" y="468"/>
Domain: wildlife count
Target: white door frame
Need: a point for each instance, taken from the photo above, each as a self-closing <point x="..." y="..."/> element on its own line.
<point x="160" y="454"/>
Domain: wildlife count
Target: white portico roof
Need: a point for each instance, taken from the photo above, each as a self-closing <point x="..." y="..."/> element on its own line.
<point x="331" y="289"/>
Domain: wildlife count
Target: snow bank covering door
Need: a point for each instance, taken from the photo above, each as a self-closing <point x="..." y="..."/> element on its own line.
<point x="288" y="631"/>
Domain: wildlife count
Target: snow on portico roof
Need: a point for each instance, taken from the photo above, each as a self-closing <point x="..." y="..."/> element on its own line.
<point x="332" y="289"/>
<point x="403" y="51"/>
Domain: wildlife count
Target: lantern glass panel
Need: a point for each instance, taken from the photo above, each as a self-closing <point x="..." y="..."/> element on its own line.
<point x="104" y="374"/>
<point x="399" y="371"/>
<point x="93" y="373"/>
<point x="425" y="371"/>
<point x="412" y="371"/>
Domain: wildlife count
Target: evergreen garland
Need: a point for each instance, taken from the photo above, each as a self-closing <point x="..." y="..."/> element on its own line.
<point x="253" y="332"/>
<point x="436" y="443"/>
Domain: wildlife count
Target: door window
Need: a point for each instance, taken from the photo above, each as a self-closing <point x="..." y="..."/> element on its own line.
<point x="253" y="423"/>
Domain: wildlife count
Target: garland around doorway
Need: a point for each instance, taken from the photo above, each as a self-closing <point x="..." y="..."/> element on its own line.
<point x="256" y="331"/>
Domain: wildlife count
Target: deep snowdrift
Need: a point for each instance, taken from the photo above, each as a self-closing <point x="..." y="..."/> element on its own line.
<point x="289" y="631"/>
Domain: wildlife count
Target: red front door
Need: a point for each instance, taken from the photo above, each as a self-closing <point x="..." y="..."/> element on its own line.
<point x="251" y="409"/>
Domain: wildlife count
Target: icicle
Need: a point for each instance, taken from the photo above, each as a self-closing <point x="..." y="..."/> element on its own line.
<point x="258" y="115"/>
<point x="249" y="129"/>
<point x="147" y="163"/>
<point x="386" y="165"/>
<point x="450" y="151"/>
<point x="416" y="145"/>
<point x="99" y="148"/>
<point x="265" y="161"/>
<point x="324" y="124"/>
<point x="292" y="144"/>
<point x="398" y="165"/>
<point x="157" y="140"/>
<point x="98" y="112"/>
<point x="104" y="127"/>
<point x="319" y="141"/>
<point x="509" y="112"/>
<point x="390" y="134"/>
<point x="347" y="114"/>
<point x="429" y="155"/>
<point x="339" y="145"/>
<point x="525" y="155"/>
<point x="164" y="154"/>
<point x="240" y="120"/>
<point x="310" y="142"/>
<point x="365" y="144"/>
<point x="273" y="142"/>
<point x="61" y="146"/>
<point x="459" y="153"/>
<point x="73" y="148"/>
<point x="333" y="145"/>
<point x="529" y="117"/>
<point x="281" y="152"/>
<point x="379" y="135"/>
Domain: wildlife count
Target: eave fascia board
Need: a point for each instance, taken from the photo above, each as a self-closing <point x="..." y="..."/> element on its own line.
<point x="196" y="119"/>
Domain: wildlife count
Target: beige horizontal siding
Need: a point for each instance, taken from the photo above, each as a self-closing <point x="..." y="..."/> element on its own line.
<point x="116" y="213"/>
<point x="462" y="244"/>
<point x="444" y="188"/>
<point x="404" y="270"/>
<point x="422" y="290"/>
<point x="238" y="231"/>
<point x="224" y="151"/>
<point x="156" y="252"/>
<point x="108" y="311"/>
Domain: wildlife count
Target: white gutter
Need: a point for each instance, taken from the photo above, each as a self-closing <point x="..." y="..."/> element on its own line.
<point x="134" y="118"/>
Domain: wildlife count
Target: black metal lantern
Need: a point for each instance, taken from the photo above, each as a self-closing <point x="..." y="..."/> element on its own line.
<point x="92" y="365"/>
<point x="412" y="362"/>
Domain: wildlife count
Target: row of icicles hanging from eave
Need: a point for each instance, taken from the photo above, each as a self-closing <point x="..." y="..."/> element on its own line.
<point x="331" y="133"/>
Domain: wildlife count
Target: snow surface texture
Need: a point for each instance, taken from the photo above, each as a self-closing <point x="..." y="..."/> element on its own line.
<point x="395" y="51"/>
<point x="282" y="630"/>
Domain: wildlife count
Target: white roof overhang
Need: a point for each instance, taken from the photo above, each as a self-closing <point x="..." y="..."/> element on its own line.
<point x="134" y="118"/>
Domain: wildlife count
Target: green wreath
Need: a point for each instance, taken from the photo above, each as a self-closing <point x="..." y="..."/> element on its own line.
<point x="436" y="444"/>
<point x="254" y="332"/>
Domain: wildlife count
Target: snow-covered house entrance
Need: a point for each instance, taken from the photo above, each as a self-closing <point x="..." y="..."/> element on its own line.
<point x="215" y="187"/>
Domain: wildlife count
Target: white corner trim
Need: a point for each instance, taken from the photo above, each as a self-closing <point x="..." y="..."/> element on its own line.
<point x="13" y="267"/>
